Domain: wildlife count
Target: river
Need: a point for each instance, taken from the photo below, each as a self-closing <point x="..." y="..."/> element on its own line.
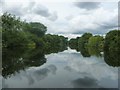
<point x="66" y="69"/>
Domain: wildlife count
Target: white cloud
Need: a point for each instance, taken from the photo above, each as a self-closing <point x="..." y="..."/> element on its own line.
<point x="71" y="35"/>
<point x="41" y="10"/>
<point x="92" y="68"/>
<point x="53" y="16"/>
<point x="23" y="8"/>
<point x="64" y="17"/>
<point x="95" y="21"/>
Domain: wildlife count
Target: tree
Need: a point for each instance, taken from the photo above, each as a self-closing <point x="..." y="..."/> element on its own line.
<point x="112" y="48"/>
<point x="12" y="32"/>
<point x="73" y="43"/>
<point x="36" y="28"/>
<point x="83" y="41"/>
<point x="96" y="42"/>
<point x="54" y="43"/>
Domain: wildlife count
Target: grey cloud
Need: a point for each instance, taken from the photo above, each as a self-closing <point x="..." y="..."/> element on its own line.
<point x="52" y="68"/>
<point x="87" y="5"/>
<point x="53" y="16"/>
<point x="97" y="31"/>
<point x="42" y="73"/>
<point x="101" y="29"/>
<point x="68" y="68"/>
<point x="45" y="71"/>
<point x="41" y="10"/>
<point x="31" y="4"/>
<point x="30" y="80"/>
<point x="69" y="17"/>
<point x="15" y="11"/>
<point x="79" y="32"/>
<point x="28" y="8"/>
<point x="1" y="3"/>
<point x="19" y="10"/>
<point x="39" y="74"/>
<point x="31" y="8"/>
<point x="85" y="82"/>
<point x="107" y="26"/>
<point x="5" y="86"/>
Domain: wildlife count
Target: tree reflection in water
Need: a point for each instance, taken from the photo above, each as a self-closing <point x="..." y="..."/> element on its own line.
<point x="20" y="58"/>
<point x="111" y="58"/>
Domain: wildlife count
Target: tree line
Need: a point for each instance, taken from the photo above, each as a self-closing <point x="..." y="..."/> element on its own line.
<point x="18" y="33"/>
<point x="25" y="44"/>
<point x="89" y="44"/>
<point x="110" y="42"/>
<point x="87" y="41"/>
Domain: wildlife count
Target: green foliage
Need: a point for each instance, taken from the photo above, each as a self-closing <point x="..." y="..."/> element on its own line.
<point x="19" y="33"/>
<point x="18" y="36"/>
<point x="80" y="44"/>
<point x="54" y="42"/>
<point x="112" y="41"/>
<point x="83" y="41"/>
<point x="96" y="42"/>
<point x="10" y="22"/>
<point x="11" y="60"/>
<point x="20" y="58"/>
<point x="12" y="34"/>
<point x="73" y="43"/>
<point x="35" y="28"/>
<point x="94" y="51"/>
<point x="112" y="48"/>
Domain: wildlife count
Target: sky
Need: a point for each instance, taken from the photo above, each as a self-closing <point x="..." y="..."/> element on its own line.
<point x="70" y="18"/>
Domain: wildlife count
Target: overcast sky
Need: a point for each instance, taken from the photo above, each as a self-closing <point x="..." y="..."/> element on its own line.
<point x="69" y="18"/>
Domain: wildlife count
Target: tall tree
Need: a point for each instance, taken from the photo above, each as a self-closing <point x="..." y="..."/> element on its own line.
<point x="12" y="31"/>
<point x="83" y="41"/>
<point x="112" y="47"/>
<point x="37" y="29"/>
<point x="96" y="42"/>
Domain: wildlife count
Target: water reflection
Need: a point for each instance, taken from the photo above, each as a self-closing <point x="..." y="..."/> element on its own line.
<point x="37" y="69"/>
<point x="94" y="52"/>
<point x="34" y="57"/>
<point x="42" y="73"/>
<point x="85" y="82"/>
<point x="32" y="76"/>
<point x="20" y="58"/>
<point x="11" y="61"/>
<point x="16" y="59"/>
<point x="85" y="52"/>
<point x="112" y="58"/>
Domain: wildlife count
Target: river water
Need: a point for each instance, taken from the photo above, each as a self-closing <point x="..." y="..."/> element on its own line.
<point x="66" y="69"/>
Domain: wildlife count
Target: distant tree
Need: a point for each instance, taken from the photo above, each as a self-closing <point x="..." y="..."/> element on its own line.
<point x="54" y="43"/>
<point x="96" y="42"/>
<point x="73" y="43"/>
<point x="83" y="41"/>
<point x="112" y="40"/>
<point x="85" y="52"/>
<point x="36" y="28"/>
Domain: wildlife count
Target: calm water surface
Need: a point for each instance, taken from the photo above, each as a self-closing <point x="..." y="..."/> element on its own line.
<point x="67" y="69"/>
